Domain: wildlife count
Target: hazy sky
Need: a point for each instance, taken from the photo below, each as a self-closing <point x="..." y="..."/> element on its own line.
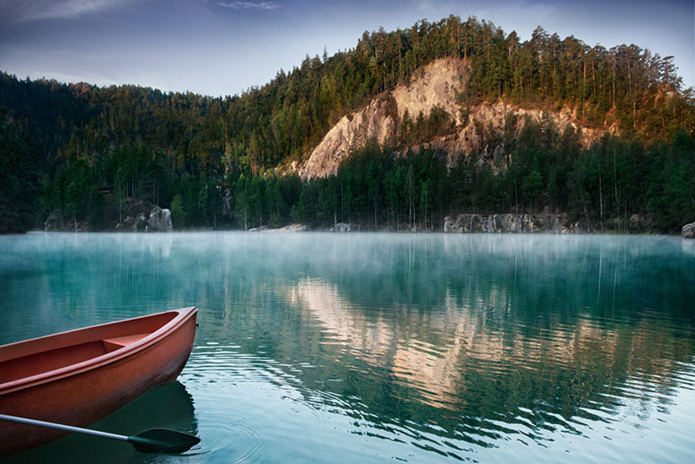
<point x="223" y="47"/>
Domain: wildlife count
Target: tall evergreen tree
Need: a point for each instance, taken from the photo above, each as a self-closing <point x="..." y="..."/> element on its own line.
<point x="18" y="179"/>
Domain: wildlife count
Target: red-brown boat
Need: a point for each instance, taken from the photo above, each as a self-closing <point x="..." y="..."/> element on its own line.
<point x="81" y="376"/>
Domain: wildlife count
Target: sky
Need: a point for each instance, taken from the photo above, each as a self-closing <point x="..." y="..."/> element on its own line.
<point x="225" y="47"/>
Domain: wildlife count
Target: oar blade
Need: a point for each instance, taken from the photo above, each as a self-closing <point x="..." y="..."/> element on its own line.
<point x="163" y="441"/>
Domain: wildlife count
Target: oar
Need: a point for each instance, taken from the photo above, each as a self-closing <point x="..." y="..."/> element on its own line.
<point x="149" y="441"/>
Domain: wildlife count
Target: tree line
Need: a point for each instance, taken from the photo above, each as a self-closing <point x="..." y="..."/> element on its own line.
<point x="216" y="161"/>
<point x="615" y="185"/>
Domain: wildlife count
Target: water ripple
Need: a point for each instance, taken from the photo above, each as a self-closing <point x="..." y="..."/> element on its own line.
<point x="411" y="348"/>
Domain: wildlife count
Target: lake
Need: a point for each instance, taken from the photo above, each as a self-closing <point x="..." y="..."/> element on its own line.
<point x="385" y="347"/>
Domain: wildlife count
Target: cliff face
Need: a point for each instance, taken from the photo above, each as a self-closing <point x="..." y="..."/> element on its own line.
<point x="436" y="85"/>
<point x="374" y="121"/>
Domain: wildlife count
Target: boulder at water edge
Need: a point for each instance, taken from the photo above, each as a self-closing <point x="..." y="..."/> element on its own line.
<point x="160" y="220"/>
<point x="688" y="230"/>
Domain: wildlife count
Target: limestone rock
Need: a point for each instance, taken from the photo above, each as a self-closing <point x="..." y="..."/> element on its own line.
<point x="351" y="131"/>
<point x="160" y="220"/>
<point x="291" y="228"/>
<point x="437" y="86"/>
<point x="53" y="222"/>
<point x="508" y="223"/>
<point x="433" y="86"/>
<point x="341" y="227"/>
<point x="73" y="225"/>
<point x="688" y="230"/>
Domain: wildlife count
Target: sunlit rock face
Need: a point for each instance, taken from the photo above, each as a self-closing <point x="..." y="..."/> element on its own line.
<point x="373" y="122"/>
<point x="438" y="85"/>
<point x="434" y="86"/>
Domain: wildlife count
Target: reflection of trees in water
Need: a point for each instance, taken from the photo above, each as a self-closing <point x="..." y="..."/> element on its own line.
<point x="477" y="336"/>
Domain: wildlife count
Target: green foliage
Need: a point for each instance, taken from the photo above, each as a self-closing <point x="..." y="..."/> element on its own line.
<point x="178" y="214"/>
<point x="374" y="188"/>
<point x="213" y="159"/>
<point x="18" y="179"/>
<point x="532" y="188"/>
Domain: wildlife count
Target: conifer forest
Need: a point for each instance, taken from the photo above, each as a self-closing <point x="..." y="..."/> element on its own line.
<point x="82" y="154"/>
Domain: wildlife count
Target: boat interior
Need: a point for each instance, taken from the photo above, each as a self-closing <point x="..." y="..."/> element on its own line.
<point x="46" y="361"/>
<point x="33" y="357"/>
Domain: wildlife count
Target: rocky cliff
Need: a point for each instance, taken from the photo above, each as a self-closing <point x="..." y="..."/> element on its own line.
<point x="510" y="223"/>
<point x="436" y="85"/>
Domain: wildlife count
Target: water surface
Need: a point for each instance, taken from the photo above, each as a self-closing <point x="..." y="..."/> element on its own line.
<point x="386" y="347"/>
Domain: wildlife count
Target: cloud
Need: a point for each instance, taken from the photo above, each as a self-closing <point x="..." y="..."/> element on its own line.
<point x="246" y="5"/>
<point x="32" y="10"/>
<point x="425" y="5"/>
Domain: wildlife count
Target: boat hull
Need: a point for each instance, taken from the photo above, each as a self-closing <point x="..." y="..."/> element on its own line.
<point x="84" y="392"/>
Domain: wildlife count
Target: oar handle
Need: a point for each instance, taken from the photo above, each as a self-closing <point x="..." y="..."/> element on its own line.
<point x="149" y="441"/>
<point x="62" y="427"/>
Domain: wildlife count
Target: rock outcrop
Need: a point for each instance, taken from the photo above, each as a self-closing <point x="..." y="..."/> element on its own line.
<point x="54" y="222"/>
<point x="509" y="223"/>
<point x="375" y="121"/>
<point x="291" y="228"/>
<point x="160" y="220"/>
<point x="341" y="227"/>
<point x="436" y="85"/>
<point x="688" y="230"/>
<point x="138" y="217"/>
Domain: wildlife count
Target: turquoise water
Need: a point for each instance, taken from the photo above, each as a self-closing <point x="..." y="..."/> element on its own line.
<point x="385" y="347"/>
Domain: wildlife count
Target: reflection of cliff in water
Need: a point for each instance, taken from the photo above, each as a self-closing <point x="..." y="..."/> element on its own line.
<point x="413" y="363"/>
<point x="492" y="369"/>
<point x="169" y="406"/>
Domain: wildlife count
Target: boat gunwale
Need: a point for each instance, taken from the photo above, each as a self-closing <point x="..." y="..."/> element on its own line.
<point x="129" y="351"/>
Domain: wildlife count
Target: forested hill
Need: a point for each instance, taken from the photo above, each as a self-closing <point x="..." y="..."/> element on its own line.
<point x="102" y="153"/>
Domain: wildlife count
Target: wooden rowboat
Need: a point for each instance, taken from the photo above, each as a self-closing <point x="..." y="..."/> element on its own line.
<point x="81" y="376"/>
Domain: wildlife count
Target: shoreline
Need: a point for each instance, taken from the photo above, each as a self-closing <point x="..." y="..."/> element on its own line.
<point x="363" y="231"/>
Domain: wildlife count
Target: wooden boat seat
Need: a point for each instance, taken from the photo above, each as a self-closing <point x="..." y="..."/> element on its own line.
<point x="113" y="344"/>
<point x="45" y="361"/>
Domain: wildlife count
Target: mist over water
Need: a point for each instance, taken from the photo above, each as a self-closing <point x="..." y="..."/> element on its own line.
<point x="408" y="347"/>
